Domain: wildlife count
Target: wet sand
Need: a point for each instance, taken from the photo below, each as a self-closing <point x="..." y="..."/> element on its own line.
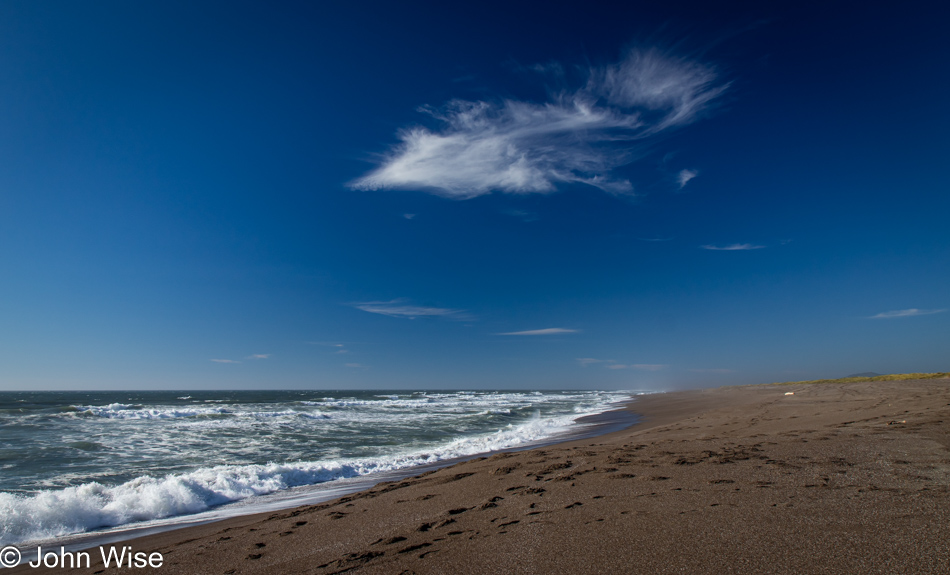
<point x="837" y="478"/>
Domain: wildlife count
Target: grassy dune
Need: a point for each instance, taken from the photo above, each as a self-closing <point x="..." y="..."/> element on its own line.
<point x="891" y="377"/>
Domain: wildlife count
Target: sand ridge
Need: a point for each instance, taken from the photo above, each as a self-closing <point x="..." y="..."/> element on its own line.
<point x="836" y="478"/>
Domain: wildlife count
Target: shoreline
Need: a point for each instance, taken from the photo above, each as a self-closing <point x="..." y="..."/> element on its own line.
<point x="585" y="427"/>
<point x="837" y="478"/>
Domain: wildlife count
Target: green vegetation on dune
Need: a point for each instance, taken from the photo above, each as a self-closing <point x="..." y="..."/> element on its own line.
<point x="892" y="377"/>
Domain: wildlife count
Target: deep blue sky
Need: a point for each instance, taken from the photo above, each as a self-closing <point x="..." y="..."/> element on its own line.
<point x="386" y="195"/>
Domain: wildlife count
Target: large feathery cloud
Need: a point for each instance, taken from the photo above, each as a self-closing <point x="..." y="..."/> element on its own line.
<point x="577" y="136"/>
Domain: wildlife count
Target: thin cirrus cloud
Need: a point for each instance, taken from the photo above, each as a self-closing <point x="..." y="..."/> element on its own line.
<point x="258" y="356"/>
<point x="612" y="364"/>
<point x="338" y="348"/>
<point x="640" y="366"/>
<point x="225" y="361"/>
<point x="546" y="331"/>
<point x="733" y="247"/>
<point x="912" y="312"/>
<point x="399" y="308"/>
<point x="576" y="136"/>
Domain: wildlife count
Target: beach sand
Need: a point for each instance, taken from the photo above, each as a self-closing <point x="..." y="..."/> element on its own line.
<point x="836" y="478"/>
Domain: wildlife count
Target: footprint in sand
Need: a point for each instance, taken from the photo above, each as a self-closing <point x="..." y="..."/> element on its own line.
<point x="389" y="541"/>
<point x="412" y="548"/>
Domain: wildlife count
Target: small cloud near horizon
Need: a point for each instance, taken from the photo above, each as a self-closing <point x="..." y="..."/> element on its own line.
<point x="612" y="364"/>
<point x="225" y="361"/>
<point x="339" y="347"/>
<point x="397" y="308"/>
<point x="733" y="247"/>
<point x="546" y="331"/>
<point x="258" y="356"/>
<point x="585" y="361"/>
<point x="577" y="136"/>
<point x="912" y="312"/>
<point x="640" y="366"/>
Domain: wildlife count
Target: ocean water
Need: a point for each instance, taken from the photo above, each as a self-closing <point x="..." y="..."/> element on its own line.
<point x="75" y="462"/>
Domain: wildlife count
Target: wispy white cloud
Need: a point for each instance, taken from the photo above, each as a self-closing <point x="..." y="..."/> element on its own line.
<point x="225" y="361"/>
<point x="338" y="348"/>
<point x="640" y="366"/>
<point x="585" y="361"/>
<point x="523" y="215"/>
<point x="577" y="136"/>
<point x="409" y="216"/>
<point x="546" y="331"/>
<point x="906" y="313"/>
<point x="733" y="247"/>
<point x="685" y="176"/>
<point x="258" y="356"/>
<point x="398" y="308"/>
<point x="613" y="364"/>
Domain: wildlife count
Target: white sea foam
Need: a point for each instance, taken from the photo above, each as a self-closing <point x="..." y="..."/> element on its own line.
<point x="53" y="513"/>
<point x="124" y="411"/>
<point x="208" y="452"/>
<point x="120" y="411"/>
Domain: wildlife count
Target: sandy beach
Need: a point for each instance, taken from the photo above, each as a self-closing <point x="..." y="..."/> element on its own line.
<point x="831" y="478"/>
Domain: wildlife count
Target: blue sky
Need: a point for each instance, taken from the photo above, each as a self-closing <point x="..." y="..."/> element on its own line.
<point x="527" y="195"/>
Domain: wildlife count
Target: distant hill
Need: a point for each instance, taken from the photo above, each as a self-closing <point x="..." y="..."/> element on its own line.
<point x="864" y="374"/>
<point x="863" y="377"/>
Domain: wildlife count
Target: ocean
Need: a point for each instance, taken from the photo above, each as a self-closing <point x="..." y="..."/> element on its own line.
<point x="80" y="462"/>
